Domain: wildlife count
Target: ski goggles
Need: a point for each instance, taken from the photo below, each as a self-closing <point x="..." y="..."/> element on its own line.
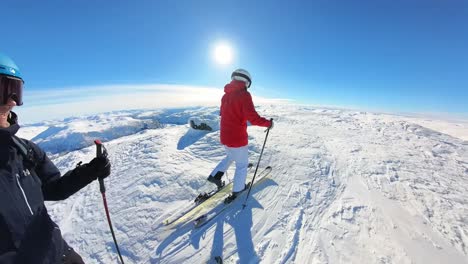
<point x="11" y="87"/>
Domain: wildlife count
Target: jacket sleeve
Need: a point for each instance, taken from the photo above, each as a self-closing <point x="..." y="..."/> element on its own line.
<point x="54" y="187"/>
<point x="252" y="115"/>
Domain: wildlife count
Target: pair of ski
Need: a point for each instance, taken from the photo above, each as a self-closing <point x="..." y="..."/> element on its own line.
<point x="202" y="197"/>
<point x="203" y="210"/>
<point x="206" y="195"/>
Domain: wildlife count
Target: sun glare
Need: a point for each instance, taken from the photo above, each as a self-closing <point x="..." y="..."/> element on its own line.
<point x="223" y="53"/>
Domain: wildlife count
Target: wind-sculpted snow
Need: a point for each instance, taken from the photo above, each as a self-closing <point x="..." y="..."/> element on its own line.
<point x="346" y="187"/>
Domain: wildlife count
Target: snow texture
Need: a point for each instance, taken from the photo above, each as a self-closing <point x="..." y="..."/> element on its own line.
<point x="346" y="187"/>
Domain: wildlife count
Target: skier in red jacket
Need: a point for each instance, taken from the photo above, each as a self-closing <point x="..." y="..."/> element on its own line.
<point x="236" y="109"/>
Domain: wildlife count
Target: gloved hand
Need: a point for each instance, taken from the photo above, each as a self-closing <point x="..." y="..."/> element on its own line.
<point x="271" y="125"/>
<point x="99" y="167"/>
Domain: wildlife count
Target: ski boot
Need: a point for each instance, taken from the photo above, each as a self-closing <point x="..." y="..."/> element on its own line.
<point x="217" y="179"/>
<point x="201" y="198"/>
<point x="231" y="197"/>
<point x="234" y="195"/>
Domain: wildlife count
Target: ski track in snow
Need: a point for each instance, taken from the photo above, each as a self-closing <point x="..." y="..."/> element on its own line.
<point x="346" y="187"/>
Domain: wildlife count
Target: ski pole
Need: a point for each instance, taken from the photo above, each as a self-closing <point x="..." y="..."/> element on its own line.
<point x="102" y="152"/>
<point x="256" y="169"/>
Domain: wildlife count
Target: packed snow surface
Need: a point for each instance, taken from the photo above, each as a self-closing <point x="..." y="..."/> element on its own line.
<point x="346" y="187"/>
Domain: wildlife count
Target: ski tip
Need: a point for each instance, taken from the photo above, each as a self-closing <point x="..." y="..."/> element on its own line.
<point x="268" y="167"/>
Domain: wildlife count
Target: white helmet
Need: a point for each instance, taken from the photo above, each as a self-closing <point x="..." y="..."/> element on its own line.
<point x="242" y="75"/>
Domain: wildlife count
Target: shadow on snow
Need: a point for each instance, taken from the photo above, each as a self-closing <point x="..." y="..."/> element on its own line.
<point x="190" y="138"/>
<point x="239" y="219"/>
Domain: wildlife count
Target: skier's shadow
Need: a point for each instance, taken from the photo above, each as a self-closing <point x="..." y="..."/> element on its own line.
<point x="241" y="222"/>
<point x="190" y="137"/>
<point x="240" y="219"/>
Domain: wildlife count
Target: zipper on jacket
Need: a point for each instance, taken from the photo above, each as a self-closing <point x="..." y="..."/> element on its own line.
<point x="24" y="195"/>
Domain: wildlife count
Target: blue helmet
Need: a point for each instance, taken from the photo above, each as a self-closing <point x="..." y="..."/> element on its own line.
<point x="11" y="82"/>
<point x="8" y="67"/>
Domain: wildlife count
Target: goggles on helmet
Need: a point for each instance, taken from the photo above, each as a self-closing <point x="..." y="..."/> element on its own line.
<point x="11" y="87"/>
<point x="241" y="77"/>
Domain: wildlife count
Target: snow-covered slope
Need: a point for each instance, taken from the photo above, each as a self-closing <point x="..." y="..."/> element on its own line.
<point x="346" y="187"/>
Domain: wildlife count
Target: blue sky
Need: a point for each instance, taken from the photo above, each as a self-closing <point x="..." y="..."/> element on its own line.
<point x="401" y="56"/>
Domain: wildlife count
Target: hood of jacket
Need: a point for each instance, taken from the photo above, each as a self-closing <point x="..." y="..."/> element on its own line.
<point x="234" y="86"/>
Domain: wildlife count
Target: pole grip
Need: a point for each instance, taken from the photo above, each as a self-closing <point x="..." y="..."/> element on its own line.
<point x="98" y="147"/>
<point x="99" y="153"/>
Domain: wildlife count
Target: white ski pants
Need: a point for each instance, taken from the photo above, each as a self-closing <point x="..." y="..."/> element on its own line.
<point x="241" y="157"/>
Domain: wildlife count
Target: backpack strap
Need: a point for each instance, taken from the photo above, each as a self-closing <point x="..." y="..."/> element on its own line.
<point x="26" y="151"/>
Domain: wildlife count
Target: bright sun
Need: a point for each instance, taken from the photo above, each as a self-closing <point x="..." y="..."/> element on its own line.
<point x="223" y="53"/>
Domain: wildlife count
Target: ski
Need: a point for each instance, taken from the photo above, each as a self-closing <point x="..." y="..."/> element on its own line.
<point x="203" y="217"/>
<point x="206" y="218"/>
<point x="204" y="207"/>
<point x="206" y="195"/>
<point x="199" y="200"/>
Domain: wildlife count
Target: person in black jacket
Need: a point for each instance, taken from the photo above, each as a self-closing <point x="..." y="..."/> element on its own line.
<point x="27" y="179"/>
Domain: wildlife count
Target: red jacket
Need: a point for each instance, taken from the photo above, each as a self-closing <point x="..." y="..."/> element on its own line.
<point x="236" y="109"/>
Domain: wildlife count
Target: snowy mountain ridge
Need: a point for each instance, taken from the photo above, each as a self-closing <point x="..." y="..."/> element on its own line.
<point x="346" y="187"/>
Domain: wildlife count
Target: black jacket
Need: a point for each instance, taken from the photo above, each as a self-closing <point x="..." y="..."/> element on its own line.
<point x="27" y="234"/>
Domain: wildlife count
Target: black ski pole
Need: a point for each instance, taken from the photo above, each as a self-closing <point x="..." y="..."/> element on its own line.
<point x="102" y="188"/>
<point x="256" y="169"/>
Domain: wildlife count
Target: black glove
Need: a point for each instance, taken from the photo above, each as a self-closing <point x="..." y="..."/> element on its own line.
<point x="99" y="167"/>
<point x="76" y="179"/>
